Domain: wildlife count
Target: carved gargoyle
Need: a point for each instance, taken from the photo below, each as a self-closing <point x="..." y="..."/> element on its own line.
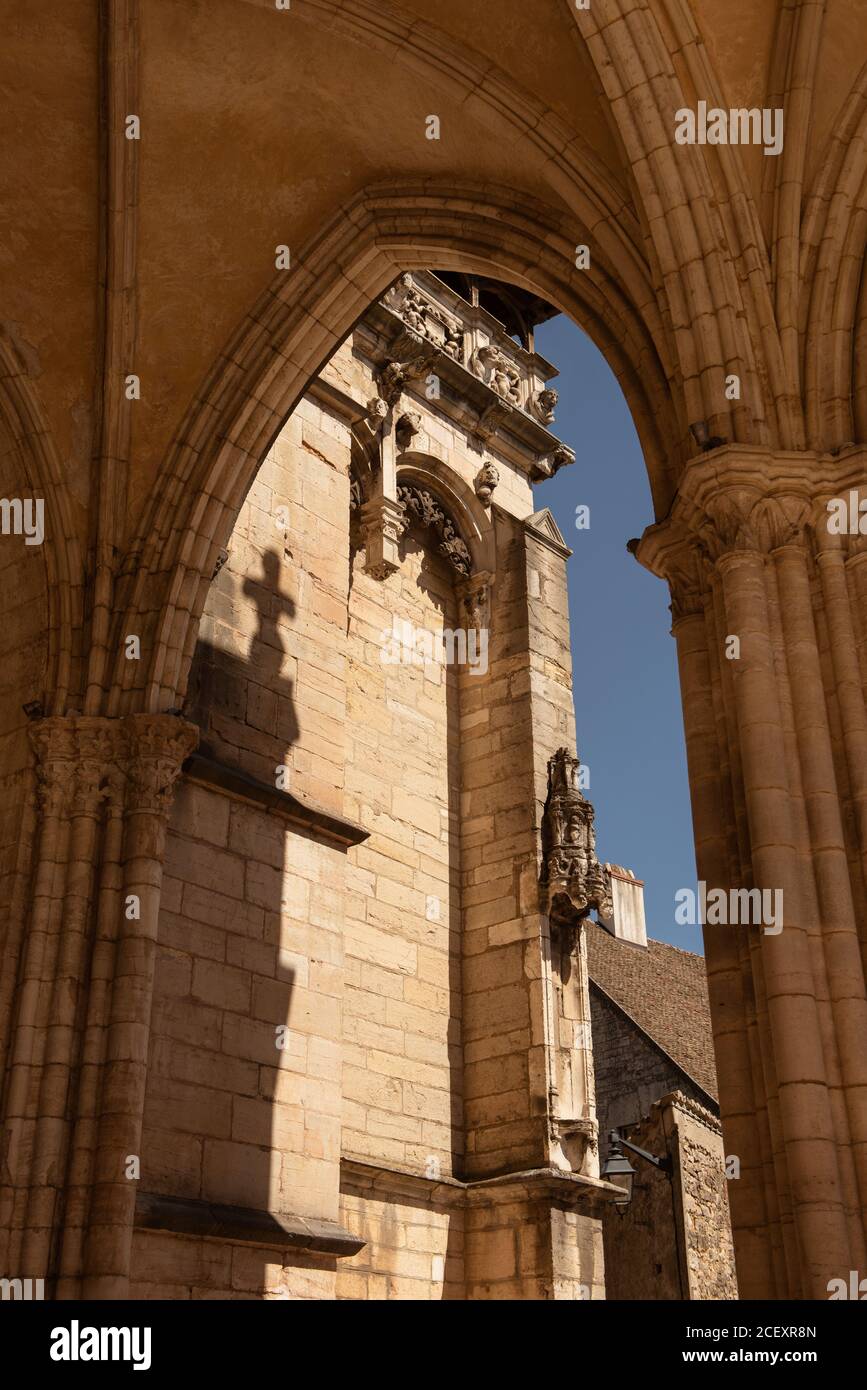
<point x="573" y="882"/>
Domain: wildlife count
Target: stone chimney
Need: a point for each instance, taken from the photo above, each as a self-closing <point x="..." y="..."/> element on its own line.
<point x="626" y="922"/>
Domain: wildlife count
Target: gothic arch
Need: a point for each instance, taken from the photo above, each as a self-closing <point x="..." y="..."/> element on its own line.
<point x="287" y="337"/>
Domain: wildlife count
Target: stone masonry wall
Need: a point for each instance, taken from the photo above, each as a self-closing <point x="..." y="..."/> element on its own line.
<point x="674" y="1239"/>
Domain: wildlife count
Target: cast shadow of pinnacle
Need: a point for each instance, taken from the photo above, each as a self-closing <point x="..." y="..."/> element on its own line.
<point x="242" y="697"/>
<point x="245" y="705"/>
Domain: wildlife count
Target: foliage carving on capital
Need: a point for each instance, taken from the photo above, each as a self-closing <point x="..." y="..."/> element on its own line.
<point x="736" y="520"/>
<point x="83" y="762"/>
<point x="158" y="746"/>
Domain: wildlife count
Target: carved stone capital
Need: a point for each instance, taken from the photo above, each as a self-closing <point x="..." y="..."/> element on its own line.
<point x="672" y="552"/>
<point x="157" y="747"/>
<point x="83" y="762"/>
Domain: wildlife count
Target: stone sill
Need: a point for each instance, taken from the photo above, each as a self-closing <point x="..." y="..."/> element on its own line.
<point x="208" y="771"/>
<point x="191" y="1216"/>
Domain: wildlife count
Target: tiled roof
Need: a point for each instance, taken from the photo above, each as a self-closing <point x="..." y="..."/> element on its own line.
<point x="664" y="992"/>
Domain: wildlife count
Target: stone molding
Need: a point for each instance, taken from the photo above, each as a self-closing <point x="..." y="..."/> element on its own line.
<point x="676" y="1100"/>
<point x="195" y="1216"/>
<point x="361" y="1177"/>
<point x="208" y="771"/>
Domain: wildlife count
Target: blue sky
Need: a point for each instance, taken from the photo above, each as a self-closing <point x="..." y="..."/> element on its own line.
<point x="627" y="699"/>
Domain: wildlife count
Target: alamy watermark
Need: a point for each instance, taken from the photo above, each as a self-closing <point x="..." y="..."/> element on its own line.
<point x="23" y="516"/>
<point x="732" y="907"/>
<point x="406" y="645"/>
<point x="738" y="126"/>
<point x="27" y="1290"/>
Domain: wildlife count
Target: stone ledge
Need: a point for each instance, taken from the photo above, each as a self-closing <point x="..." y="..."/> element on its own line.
<point x="208" y="771"/>
<point x="191" y="1216"/>
<point x="362" y="1177"/>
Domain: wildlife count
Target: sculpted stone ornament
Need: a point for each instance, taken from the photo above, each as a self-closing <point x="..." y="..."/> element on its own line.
<point x="420" y="506"/>
<point x="543" y="405"/>
<point x="408" y="364"/>
<point x="486" y="481"/>
<point x="408" y="426"/>
<point x="382" y="525"/>
<point x="573" y="881"/>
<point x="475" y="602"/>
<point x="490" y="422"/>
<point x="423" y="320"/>
<point x="492" y="366"/>
<point x="549" y="464"/>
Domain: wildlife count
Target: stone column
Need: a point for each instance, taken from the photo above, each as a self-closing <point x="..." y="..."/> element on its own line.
<point x="766" y="619"/>
<point x="78" y="1038"/>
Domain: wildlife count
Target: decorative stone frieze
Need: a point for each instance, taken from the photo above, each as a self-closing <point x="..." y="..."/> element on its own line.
<point x="424" y="318"/>
<point x="492" y="366"/>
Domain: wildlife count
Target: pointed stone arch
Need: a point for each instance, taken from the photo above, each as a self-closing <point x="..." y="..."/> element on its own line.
<point x="289" y="335"/>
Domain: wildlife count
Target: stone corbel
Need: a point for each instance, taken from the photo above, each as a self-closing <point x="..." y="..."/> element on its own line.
<point x="383" y="521"/>
<point x="490" y="422"/>
<point x="547" y="465"/>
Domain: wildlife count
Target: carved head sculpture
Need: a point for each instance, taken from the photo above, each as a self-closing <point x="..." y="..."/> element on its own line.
<point x="377" y="408"/>
<point x="543" y="404"/>
<point x="408" y="426"/>
<point x="486" y="480"/>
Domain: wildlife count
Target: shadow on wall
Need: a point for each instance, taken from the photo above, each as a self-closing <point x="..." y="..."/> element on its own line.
<point x="235" y="1047"/>
<point x="243" y="701"/>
